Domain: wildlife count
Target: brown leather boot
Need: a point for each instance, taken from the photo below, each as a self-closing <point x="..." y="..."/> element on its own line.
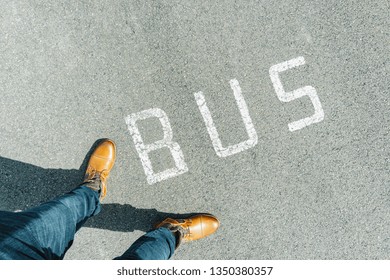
<point x="99" y="167"/>
<point x="190" y="229"/>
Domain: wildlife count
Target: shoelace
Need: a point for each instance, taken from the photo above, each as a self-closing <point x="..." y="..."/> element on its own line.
<point x="94" y="175"/>
<point x="94" y="179"/>
<point x="185" y="230"/>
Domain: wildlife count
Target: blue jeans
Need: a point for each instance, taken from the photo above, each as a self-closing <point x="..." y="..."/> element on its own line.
<point x="47" y="231"/>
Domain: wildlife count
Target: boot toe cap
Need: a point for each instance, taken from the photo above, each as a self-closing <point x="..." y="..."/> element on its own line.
<point x="106" y="149"/>
<point x="210" y="224"/>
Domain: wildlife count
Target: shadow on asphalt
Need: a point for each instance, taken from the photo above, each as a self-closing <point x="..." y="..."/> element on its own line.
<point x="24" y="185"/>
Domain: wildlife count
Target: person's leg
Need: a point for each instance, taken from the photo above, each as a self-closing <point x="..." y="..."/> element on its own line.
<point x="47" y="231"/>
<point x="160" y="244"/>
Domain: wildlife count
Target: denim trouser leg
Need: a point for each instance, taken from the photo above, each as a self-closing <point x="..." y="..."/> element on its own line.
<point x="157" y="244"/>
<point x="46" y="231"/>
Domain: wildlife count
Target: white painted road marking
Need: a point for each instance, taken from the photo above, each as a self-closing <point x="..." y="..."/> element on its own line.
<point x="289" y="96"/>
<point x="144" y="150"/>
<point x="217" y="144"/>
<point x="177" y="154"/>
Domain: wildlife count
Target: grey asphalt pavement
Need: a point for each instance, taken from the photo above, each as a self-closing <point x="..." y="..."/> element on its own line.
<point x="72" y="71"/>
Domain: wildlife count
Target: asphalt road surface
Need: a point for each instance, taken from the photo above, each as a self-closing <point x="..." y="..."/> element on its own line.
<point x="271" y="115"/>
